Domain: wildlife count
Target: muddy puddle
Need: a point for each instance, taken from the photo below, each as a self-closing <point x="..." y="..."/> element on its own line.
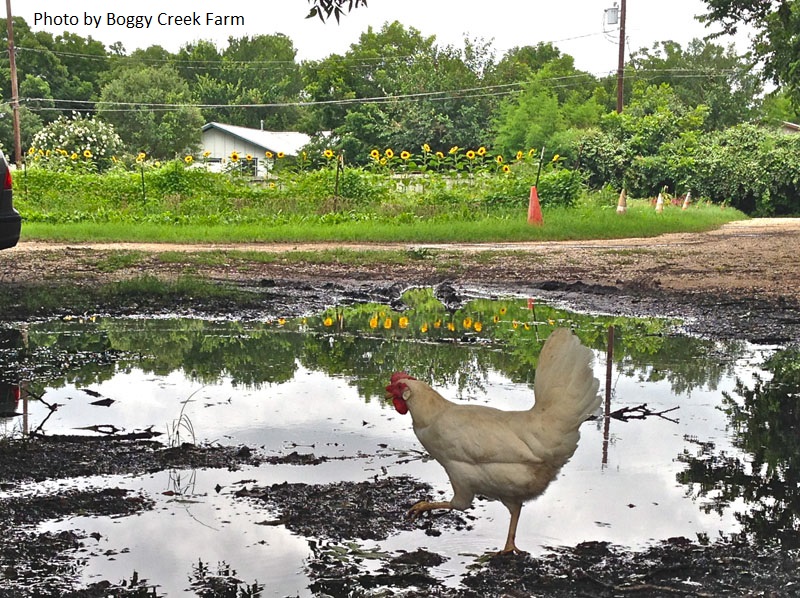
<point x="701" y="444"/>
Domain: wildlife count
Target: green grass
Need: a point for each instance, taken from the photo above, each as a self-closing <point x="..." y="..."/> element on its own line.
<point x="585" y="222"/>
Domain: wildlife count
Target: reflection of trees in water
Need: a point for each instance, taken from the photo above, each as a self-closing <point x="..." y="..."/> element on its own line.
<point x="764" y="420"/>
<point x="449" y="347"/>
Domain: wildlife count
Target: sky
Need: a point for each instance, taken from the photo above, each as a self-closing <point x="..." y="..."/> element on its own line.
<point x="576" y="27"/>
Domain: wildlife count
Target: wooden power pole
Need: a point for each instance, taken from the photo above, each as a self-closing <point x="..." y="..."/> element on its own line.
<point x="621" y="63"/>
<point x="14" y="88"/>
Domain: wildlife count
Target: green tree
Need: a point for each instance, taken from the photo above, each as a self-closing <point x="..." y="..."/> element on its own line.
<point x="776" y="43"/>
<point x="703" y="73"/>
<point x="150" y="110"/>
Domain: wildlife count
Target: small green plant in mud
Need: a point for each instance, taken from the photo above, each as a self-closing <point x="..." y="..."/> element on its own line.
<point x="181" y="430"/>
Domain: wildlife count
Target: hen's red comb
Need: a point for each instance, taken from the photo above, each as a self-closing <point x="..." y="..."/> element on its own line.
<point x="397" y="376"/>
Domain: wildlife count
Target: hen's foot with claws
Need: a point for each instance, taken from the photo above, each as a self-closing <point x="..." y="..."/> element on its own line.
<point x="423" y="505"/>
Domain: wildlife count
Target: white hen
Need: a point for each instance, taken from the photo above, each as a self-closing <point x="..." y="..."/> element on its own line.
<point x="510" y="456"/>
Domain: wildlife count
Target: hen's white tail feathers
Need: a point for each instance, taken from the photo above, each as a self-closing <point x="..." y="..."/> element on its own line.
<point x="565" y="386"/>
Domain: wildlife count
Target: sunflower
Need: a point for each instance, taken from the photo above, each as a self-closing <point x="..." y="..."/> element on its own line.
<point x="453" y="150"/>
<point x="499" y="158"/>
<point x="556" y="158"/>
<point x="389" y="153"/>
<point x="281" y="155"/>
<point x="140" y="157"/>
<point x="506" y="168"/>
<point x="471" y="155"/>
<point x="439" y="155"/>
<point x="268" y="154"/>
<point x="387" y="323"/>
<point x="234" y="156"/>
<point x="328" y="153"/>
<point x="481" y="151"/>
<point x="249" y="157"/>
<point x="477" y="326"/>
<point x="424" y="327"/>
<point x="188" y="159"/>
<point x="404" y="155"/>
<point x="328" y="321"/>
<point x="86" y="153"/>
<point x="426" y="148"/>
<point x="467" y="323"/>
<point x="206" y="153"/>
<point x="403" y="322"/>
<point x="520" y="155"/>
<point x="375" y="154"/>
<point x="74" y="156"/>
<point x="373" y="322"/>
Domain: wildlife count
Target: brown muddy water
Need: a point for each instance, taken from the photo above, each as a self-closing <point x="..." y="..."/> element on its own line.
<point x="695" y="450"/>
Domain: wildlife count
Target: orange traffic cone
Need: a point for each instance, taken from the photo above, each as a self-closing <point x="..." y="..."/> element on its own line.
<point x="622" y="203"/>
<point x="534" y="209"/>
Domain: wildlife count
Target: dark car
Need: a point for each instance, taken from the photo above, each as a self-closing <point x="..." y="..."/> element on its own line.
<point x="10" y="221"/>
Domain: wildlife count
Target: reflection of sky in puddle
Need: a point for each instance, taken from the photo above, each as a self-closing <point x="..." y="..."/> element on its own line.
<point x="632" y="500"/>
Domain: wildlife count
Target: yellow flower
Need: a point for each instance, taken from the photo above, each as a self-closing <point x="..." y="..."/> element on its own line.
<point x="403" y="322"/>
<point x="188" y="159"/>
<point x="206" y="153"/>
<point x="31" y="151"/>
<point x="74" y="156"/>
<point x="268" y="155"/>
<point x="514" y="324"/>
<point x="478" y="326"/>
<point x="389" y="153"/>
<point x="272" y="184"/>
<point x="375" y="154"/>
<point x="328" y="153"/>
<point x="373" y="322"/>
<point x="503" y="311"/>
<point x="249" y="158"/>
<point x="531" y="152"/>
<point x="387" y="323"/>
<point x="424" y="327"/>
<point x="471" y="155"/>
<point x="437" y="324"/>
<point x="526" y="326"/>
<point x="496" y="319"/>
<point x="140" y="157"/>
<point x="556" y="158"/>
<point x="157" y="163"/>
<point x="234" y="156"/>
<point x="439" y="155"/>
<point x="520" y="155"/>
<point x="481" y="151"/>
<point x="499" y="158"/>
<point x="328" y="321"/>
<point x="383" y="161"/>
<point x="451" y="326"/>
<point x="87" y="153"/>
<point x="426" y="148"/>
<point x="281" y="155"/>
<point x="281" y="321"/>
<point x="404" y="155"/>
<point x="467" y="323"/>
<point x="506" y="168"/>
<point x="453" y="149"/>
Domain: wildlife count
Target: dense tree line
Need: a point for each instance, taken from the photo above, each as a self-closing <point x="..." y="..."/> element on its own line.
<point x="396" y="88"/>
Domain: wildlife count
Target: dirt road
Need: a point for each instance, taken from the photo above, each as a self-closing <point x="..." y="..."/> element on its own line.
<point x="744" y="276"/>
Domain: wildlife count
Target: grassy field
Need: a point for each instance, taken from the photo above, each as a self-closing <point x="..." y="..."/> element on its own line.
<point x="582" y="222"/>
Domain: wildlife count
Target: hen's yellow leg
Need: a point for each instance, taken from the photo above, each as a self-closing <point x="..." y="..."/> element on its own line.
<point x="511" y="545"/>
<point x="423" y="505"/>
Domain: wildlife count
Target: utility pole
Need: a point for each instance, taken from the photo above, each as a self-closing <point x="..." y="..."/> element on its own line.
<point x="621" y="63"/>
<point x="12" y="60"/>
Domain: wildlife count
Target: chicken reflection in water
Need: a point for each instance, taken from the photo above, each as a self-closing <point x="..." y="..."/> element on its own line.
<point x="510" y="456"/>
